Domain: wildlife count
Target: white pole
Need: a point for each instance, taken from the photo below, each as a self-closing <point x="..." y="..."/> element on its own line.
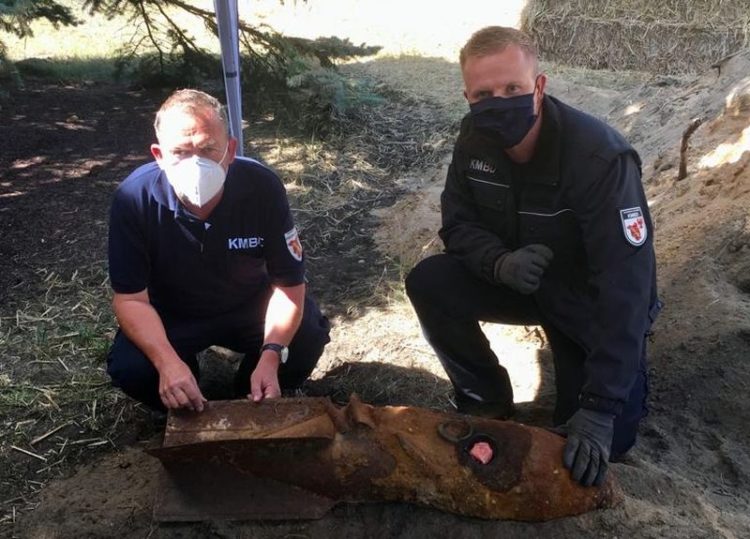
<point x="227" y="19"/>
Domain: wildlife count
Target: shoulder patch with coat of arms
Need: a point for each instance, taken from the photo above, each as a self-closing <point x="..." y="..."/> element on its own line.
<point x="293" y="244"/>
<point x="634" y="226"/>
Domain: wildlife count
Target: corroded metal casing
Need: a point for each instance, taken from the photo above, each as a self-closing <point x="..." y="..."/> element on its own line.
<point x="364" y="453"/>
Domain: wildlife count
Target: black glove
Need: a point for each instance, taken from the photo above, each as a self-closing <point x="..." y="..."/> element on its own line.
<point x="522" y="269"/>
<point x="589" y="443"/>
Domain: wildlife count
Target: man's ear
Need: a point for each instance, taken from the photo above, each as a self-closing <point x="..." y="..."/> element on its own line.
<point x="541" y="84"/>
<point x="231" y="150"/>
<point x="156" y="152"/>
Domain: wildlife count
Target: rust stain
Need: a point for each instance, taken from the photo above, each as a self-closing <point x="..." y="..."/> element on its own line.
<point x="365" y="453"/>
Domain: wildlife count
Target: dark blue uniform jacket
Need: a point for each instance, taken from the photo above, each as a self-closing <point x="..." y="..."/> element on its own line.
<point x="581" y="195"/>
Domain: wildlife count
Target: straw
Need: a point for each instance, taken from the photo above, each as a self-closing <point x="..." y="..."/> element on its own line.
<point x="671" y="37"/>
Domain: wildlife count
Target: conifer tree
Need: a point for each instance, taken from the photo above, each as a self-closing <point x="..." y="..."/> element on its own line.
<point x="16" y="16"/>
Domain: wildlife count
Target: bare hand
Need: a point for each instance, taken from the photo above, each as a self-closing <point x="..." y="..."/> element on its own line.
<point x="178" y="387"/>
<point x="264" y="381"/>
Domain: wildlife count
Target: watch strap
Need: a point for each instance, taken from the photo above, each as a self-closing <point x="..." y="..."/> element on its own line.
<point x="278" y="348"/>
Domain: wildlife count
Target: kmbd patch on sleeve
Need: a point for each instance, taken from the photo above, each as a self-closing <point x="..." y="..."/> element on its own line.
<point x="634" y="226"/>
<point x="293" y="244"/>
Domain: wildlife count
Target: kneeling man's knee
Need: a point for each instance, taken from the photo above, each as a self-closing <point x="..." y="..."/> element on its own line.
<point x="423" y="278"/>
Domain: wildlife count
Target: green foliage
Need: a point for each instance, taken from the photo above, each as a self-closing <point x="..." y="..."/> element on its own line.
<point x="66" y="69"/>
<point x="328" y="49"/>
<point x="8" y="73"/>
<point x="320" y="95"/>
<point x="153" y="69"/>
<point x="36" y="67"/>
<point x="9" y="77"/>
<point x="16" y="16"/>
<point x="297" y="73"/>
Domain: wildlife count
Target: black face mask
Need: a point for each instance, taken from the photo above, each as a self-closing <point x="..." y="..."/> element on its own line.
<point x="508" y="119"/>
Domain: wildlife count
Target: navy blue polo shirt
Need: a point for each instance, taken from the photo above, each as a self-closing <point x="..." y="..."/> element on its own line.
<point x="203" y="268"/>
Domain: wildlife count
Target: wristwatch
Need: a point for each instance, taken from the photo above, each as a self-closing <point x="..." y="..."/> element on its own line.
<point x="280" y="349"/>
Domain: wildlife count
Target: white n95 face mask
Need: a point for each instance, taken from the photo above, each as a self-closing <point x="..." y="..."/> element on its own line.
<point x="196" y="179"/>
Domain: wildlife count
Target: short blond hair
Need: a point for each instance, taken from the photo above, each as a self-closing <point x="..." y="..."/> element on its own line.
<point x="494" y="39"/>
<point x="193" y="102"/>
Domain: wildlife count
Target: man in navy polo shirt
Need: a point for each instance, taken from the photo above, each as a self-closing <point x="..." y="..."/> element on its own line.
<point x="203" y="251"/>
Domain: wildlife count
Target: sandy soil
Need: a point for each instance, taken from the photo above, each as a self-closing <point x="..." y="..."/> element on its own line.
<point x="688" y="475"/>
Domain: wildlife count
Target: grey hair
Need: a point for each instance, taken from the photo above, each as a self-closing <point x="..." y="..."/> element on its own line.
<point x="192" y="102"/>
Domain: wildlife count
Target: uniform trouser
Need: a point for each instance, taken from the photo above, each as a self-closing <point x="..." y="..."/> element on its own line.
<point x="241" y="331"/>
<point x="450" y="302"/>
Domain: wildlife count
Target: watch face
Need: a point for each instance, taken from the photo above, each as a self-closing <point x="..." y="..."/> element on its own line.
<point x="280" y="349"/>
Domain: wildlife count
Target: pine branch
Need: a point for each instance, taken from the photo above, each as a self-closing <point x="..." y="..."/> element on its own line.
<point x="147" y="20"/>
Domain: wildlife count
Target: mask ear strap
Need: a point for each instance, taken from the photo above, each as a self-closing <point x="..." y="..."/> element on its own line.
<point x="226" y="149"/>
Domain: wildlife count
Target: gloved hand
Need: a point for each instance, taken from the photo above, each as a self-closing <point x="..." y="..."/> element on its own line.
<point x="522" y="269"/>
<point x="589" y="443"/>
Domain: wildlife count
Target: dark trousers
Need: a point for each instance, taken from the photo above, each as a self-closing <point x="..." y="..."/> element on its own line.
<point x="450" y="302"/>
<point x="241" y="331"/>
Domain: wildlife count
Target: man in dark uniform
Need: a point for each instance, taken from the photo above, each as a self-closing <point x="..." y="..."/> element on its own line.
<point x="203" y="251"/>
<point x="544" y="222"/>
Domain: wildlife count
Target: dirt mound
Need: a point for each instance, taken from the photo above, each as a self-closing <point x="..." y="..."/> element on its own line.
<point x="698" y="430"/>
<point x="701" y="221"/>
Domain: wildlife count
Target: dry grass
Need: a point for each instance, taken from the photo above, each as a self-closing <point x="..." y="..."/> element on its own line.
<point x="335" y="183"/>
<point x="55" y="400"/>
<point x="667" y="37"/>
<point x="698" y="12"/>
